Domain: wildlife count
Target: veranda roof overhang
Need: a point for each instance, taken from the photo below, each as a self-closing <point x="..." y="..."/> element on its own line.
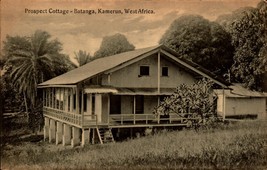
<point x="100" y="90"/>
<point x="145" y="91"/>
<point x="130" y="91"/>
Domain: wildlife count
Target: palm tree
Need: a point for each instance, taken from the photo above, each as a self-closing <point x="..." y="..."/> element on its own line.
<point x="33" y="60"/>
<point x="82" y="57"/>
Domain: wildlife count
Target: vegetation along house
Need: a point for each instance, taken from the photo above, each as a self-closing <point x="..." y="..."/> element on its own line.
<point x="119" y="91"/>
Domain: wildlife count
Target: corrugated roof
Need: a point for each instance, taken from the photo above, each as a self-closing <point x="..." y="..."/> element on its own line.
<point x="238" y="91"/>
<point x="101" y="65"/>
<point x="145" y="91"/>
<point x="97" y="66"/>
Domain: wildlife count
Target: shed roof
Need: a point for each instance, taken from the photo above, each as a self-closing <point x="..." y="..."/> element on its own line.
<point x="104" y="64"/>
<point x="238" y="91"/>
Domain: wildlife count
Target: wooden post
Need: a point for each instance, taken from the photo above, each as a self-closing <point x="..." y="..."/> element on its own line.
<point x="52" y="97"/>
<point x="75" y="136"/>
<point x="66" y="135"/>
<point x="82" y="106"/>
<point x="47" y="97"/>
<point x="89" y="104"/>
<point x="52" y="130"/>
<point x="59" y="133"/>
<point x="158" y="114"/>
<point x="71" y="100"/>
<point x="59" y="99"/>
<point x="98" y="107"/>
<point x="46" y="129"/>
<point x="159" y="72"/>
<point x="134" y="107"/>
<point x="77" y="100"/>
<point x="109" y="79"/>
<point x="93" y="136"/>
<point x="223" y="105"/>
<point x="44" y="99"/>
<point x="85" y="136"/>
<point x="108" y="107"/>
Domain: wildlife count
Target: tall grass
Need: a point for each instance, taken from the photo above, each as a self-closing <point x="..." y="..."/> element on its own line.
<point x="235" y="146"/>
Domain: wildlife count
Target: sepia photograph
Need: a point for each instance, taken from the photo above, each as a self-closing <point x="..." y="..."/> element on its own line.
<point x="133" y="84"/>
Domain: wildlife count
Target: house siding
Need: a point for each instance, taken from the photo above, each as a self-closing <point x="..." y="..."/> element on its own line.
<point x="245" y="106"/>
<point x="128" y="76"/>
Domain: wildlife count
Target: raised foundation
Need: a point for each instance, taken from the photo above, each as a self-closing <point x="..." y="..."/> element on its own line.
<point x="85" y="136"/>
<point x="59" y="133"/>
<point x="66" y="135"/>
<point x="46" y="129"/>
<point x="75" y="137"/>
<point x="52" y="130"/>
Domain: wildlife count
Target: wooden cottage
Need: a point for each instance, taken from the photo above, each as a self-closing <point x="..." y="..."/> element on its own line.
<point x="239" y="102"/>
<point x="119" y="91"/>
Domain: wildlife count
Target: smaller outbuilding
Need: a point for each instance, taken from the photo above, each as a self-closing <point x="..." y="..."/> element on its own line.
<point x="239" y="102"/>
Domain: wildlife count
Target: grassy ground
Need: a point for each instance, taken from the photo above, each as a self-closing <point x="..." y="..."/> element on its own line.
<point x="241" y="145"/>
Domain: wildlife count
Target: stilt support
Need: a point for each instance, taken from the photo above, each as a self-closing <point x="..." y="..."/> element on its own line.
<point x="46" y="129"/>
<point x="66" y="135"/>
<point x="75" y="136"/>
<point x="85" y="136"/>
<point x="52" y="130"/>
<point x="59" y="133"/>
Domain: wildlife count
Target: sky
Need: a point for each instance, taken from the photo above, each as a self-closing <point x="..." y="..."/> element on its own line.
<point x="85" y="32"/>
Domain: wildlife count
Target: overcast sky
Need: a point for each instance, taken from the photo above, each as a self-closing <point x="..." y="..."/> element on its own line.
<point x="85" y="32"/>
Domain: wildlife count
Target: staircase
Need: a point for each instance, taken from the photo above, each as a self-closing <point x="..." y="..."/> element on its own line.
<point x="105" y="135"/>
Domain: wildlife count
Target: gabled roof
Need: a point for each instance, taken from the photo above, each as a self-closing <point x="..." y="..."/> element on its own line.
<point x="104" y="64"/>
<point x="96" y="66"/>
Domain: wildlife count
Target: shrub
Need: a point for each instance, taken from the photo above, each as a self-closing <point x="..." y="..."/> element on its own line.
<point x="192" y="102"/>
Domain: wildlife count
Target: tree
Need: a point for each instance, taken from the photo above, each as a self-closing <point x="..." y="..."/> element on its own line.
<point x="192" y="102"/>
<point x="248" y="29"/>
<point x="82" y="57"/>
<point x="201" y="41"/>
<point x="112" y="45"/>
<point x="32" y="60"/>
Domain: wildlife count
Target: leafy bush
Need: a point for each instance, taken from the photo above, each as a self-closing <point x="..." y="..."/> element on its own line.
<point x="193" y="102"/>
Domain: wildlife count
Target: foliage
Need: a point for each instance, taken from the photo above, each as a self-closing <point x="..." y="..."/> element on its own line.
<point x="248" y="29"/>
<point x="191" y="101"/>
<point x="112" y="45"/>
<point x="205" y="43"/>
<point x="32" y="60"/>
<point x="232" y="146"/>
<point x="10" y="98"/>
<point x="82" y="57"/>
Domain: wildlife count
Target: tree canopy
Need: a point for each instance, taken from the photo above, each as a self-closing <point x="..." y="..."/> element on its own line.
<point x="82" y="57"/>
<point x="248" y="29"/>
<point x="32" y="60"/>
<point x="112" y="45"/>
<point x="205" y="43"/>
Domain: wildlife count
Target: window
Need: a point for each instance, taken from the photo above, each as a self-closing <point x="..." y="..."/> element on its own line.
<point x="165" y="71"/>
<point x="144" y="71"/>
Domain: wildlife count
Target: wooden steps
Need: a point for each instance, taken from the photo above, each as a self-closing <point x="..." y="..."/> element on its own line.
<point x="105" y="135"/>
